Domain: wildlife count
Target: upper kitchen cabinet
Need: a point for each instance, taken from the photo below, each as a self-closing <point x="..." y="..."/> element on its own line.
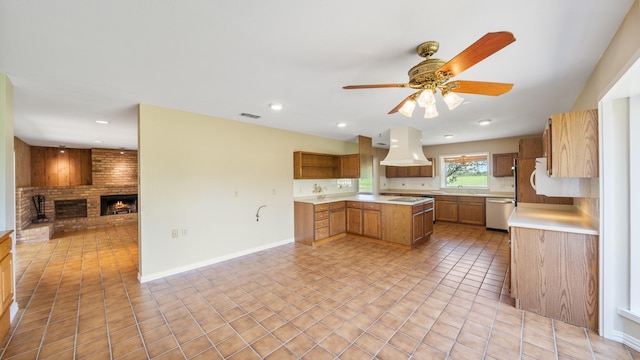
<point x="571" y="141"/>
<point x="410" y="171"/>
<point x="503" y="164"/>
<point x="350" y="166"/>
<point x="308" y="165"/>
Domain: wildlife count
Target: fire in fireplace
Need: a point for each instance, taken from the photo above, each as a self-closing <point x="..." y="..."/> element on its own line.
<point x="118" y="204"/>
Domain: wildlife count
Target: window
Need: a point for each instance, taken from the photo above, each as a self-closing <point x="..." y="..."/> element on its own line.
<point x="468" y="171"/>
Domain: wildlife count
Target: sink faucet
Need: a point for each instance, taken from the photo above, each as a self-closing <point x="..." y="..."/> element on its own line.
<point x="459" y="188"/>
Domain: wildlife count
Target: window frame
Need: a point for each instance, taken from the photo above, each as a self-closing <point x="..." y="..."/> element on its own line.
<point x="443" y="171"/>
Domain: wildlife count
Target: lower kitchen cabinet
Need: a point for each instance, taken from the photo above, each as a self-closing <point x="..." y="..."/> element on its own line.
<point x="418" y="223"/>
<point x="6" y="281"/>
<point x="354" y="217"/>
<point x="428" y="219"/>
<point x="446" y="208"/>
<point x="471" y="210"/>
<point x="337" y="218"/>
<point x="371" y="220"/>
<point x="555" y="274"/>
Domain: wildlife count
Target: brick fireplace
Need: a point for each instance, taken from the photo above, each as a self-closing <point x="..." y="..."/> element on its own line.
<point x="74" y="207"/>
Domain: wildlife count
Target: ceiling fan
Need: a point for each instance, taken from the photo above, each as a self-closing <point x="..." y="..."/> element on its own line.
<point x="432" y="74"/>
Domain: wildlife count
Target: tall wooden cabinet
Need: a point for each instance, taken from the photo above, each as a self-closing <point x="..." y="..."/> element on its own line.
<point x="6" y="280"/>
<point x="529" y="150"/>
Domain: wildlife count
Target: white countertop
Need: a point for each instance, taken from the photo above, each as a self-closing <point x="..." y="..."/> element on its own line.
<point x="384" y="199"/>
<point x="566" y="218"/>
<point x="478" y="193"/>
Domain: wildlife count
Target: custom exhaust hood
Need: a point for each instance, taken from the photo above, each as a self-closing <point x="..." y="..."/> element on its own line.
<point x="405" y="148"/>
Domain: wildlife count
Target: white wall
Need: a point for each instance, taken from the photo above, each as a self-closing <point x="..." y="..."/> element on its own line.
<point x="7" y="180"/>
<point x="209" y="176"/>
<point x="495" y="146"/>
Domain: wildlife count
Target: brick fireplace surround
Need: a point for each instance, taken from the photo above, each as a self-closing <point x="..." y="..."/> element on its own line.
<point x="113" y="173"/>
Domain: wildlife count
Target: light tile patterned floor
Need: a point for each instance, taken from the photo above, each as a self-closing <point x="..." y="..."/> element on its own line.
<point x="348" y="299"/>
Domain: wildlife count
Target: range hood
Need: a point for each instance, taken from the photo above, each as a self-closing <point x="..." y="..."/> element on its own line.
<point x="406" y="148"/>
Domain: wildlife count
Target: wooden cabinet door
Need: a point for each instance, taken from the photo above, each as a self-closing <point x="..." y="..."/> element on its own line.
<point x="471" y="213"/>
<point x="337" y="218"/>
<point x="391" y="171"/>
<point x="354" y="220"/>
<point x="428" y="222"/>
<point x="574" y="144"/>
<point x="427" y="170"/>
<point x="418" y="227"/>
<point x="530" y="148"/>
<point x="6" y="282"/>
<point x="446" y="210"/>
<point x="350" y="166"/>
<point x="502" y="164"/>
<point x="555" y="274"/>
<point x="413" y="171"/>
<point x="371" y="223"/>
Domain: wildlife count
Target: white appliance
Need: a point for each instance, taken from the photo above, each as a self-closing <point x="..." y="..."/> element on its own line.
<point x="544" y="184"/>
<point x="498" y="211"/>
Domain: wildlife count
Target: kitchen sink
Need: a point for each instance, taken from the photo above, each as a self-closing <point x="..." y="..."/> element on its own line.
<point x="407" y="199"/>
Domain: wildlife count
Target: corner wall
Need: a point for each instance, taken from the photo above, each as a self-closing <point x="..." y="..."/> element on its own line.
<point x="7" y="180"/>
<point x="206" y="177"/>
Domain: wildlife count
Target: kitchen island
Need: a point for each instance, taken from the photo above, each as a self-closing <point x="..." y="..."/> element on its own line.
<point x="554" y="263"/>
<point x="401" y="221"/>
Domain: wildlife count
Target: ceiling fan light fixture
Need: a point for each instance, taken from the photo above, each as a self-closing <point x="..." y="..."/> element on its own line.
<point x="407" y="108"/>
<point x="426" y="98"/>
<point x="430" y="111"/>
<point x="452" y="100"/>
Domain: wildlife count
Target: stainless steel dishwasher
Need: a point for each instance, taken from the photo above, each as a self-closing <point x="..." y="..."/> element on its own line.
<point x="498" y="211"/>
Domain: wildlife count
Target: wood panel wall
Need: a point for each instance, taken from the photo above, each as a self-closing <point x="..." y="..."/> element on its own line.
<point x="23" y="162"/>
<point x="50" y="167"/>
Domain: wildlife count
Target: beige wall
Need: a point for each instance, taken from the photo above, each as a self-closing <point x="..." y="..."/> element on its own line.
<point x="209" y="176"/>
<point x="494" y="146"/>
<point x="7" y="180"/>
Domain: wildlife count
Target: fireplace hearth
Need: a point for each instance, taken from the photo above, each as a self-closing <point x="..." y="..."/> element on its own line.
<point x="118" y="204"/>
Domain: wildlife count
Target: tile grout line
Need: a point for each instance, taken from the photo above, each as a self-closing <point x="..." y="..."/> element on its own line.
<point x="55" y="297"/>
<point x="144" y="346"/>
<point x="555" y="340"/>
<point x="104" y="299"/>
<point x="15" y="328"/>
<point x="593" y="354"/>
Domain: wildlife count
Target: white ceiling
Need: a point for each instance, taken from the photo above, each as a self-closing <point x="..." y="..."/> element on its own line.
<point x="74" y="62"/>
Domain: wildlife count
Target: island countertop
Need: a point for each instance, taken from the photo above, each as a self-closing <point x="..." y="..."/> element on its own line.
<point x="382" y="199"/>
<point x="566" y="218"/>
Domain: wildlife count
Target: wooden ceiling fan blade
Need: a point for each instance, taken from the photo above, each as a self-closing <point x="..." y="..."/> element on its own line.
<point x="395" y="109"/>
<point x="478" y="51"/>
<point x="375" y="86"/>
<point x="481" y="87"/>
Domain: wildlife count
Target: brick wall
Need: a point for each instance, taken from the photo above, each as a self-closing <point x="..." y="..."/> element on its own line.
<point x="109" y="167"/>
<point x="113" y="173"/>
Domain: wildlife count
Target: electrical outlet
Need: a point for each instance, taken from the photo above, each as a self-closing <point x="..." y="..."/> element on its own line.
<point x="174" y="233"/>
<point x="184" y="232"/>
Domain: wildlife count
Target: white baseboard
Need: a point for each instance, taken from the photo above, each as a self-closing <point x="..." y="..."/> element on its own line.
<point x="189" y="267"/>
<point x="626" y="339"/>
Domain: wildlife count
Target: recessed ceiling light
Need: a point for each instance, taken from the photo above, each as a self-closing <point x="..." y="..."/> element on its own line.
<point x="341" y="124"/>
<point x="484" y="122"/>
<point x="275" y="106"/>
<point x="102" y="122"/>
<point x="97" y="141"/>
<point x="448" y="136"/>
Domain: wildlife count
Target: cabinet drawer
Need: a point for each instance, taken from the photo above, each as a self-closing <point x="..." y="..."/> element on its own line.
<point x="428" y="206"/>
<point x="336" y="205"/>
<point x="371" y="206"/>
<point x="322" y="215"/>
<point x="322" y="233"/>
<point x="322" y="207"/>
<point x="471" y="199"/>
<point x="5" y="247"/>
<point x="446" y="198"/>
<point x="354" y="204"/>
<point x="417" y="208"/>
<point x="322" y="223"/>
